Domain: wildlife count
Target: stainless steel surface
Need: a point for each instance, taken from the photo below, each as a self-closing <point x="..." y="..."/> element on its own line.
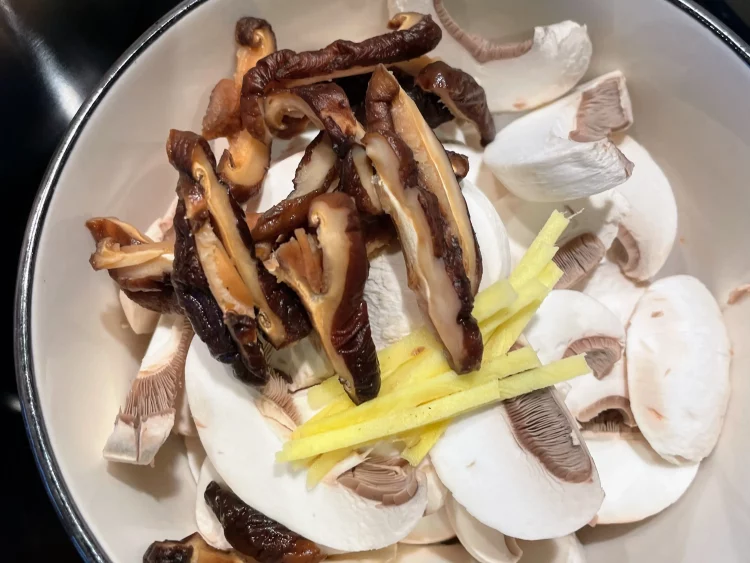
<point x="53" y="55"/>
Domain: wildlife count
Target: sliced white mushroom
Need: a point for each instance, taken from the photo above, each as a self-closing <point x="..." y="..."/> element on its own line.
<point x="637" y="482"/>
<point x="563" y="151"/>
<point x="183" y="423"/>
<point x="568" y="323"/>
<point x="304" y="361"/>
<point x="207" y="523"/>
<point x="566" y="549"/>
<point x="437" y="553"/>
<point x="608" y="285"/>
<point x="435" y="526"/>
<point x="483" y="543"/>
<point x="647" y="232"/>
<point x="598" y="215"/>
<point x="517" y="75"/>
<point x="521" y="468"/>
<point x="588" y="396"/>
<point x="242" y="447"/>
<point x="678" y="356"/>
<point x="196" y="455"/>
<point x="385" y="555"/>
<point x="394" y="307"/>
<point x="146" y="420"/>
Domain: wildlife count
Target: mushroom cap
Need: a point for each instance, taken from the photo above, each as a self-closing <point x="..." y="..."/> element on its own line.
<point x="648" y="230"/>
<point x="569" y="321"/>
<point x="195" y="454"/>
<point x="537" y="158"/>
<point x="482" y="542"/>
<point x="432" y="528"/>
<point x="522" y="486"/>
<point x="599" y="214"/>
<point x="242" y="447"/>
<point x="678" y="355"/>
<point x="206" y="522"/>
<point x="566" y="549"/>
<point x="437" y="553"/>
<point x="589" y="397"/>
<point x="393" y="307"/>
<point x="637" y="482"/>
<point x="608" y="285"/>
<point x="524" y="75"/>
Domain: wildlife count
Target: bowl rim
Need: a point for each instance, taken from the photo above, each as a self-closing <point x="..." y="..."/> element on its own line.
<point x="83" y="538"/>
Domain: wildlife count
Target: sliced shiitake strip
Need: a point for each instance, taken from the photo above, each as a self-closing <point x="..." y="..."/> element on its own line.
<point x="109" y="254"/>
<point x="120" y="232"/>
<point x="192" y="549"/>
<point x="459" y="164"/>
<point x="280" y="314"/>
<point x="435" y="170"/>
<point x="328" y="271"/>
<point x="461" y="94"/>
<point x="357" y="180"/>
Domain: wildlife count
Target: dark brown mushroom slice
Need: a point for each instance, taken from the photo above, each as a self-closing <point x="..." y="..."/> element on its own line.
<point x="222" y="117"/>
<point x="357" y="180"/>
<point x="435" y="268"/>
<point x="254" y="534"/>
<point x="288" y="111"/>
<point x="280" y="314"/>
<point x="317" y="173"/>
<point x="390" y="481"/>
<point x="379" y="232"/>
<point x="461" y="94"/>
<point x="434" y="167"/>
<point x="459" y="164"/>
<point x="139" y="266"/>
<point x="328" y="271"/>
<point x="192" y="549"/>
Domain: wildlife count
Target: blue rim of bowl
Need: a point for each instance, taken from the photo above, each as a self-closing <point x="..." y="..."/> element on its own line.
<point x="82" y="536"/>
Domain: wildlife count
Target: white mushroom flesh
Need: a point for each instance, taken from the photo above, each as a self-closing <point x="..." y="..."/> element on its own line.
<point x="678" y="356"/>
<point x="608" y="285"/>
<point x="438" y="553"/>
<point x="483" y="543"/>
<point x="206" y="521"/>
<point x="566" y="549"/>
<point x="195" y="454"/>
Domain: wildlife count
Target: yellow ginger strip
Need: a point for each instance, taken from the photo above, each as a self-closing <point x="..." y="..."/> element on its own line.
<point x="538" y="255"/>
<point x="428" y="364"/>
<point x="422" y="392"/>
<point x="498" y="296"/>
<point x="435" y="411"/>
<point x="322" y="394"/>
<point x="324" y="464"/>
<point x="533" y="290"/>
<point x="397" y="354"/>
<point x="429" y="437"/>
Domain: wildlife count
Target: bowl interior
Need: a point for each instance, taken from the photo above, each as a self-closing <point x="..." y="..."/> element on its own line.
<point x="689" y="92"/>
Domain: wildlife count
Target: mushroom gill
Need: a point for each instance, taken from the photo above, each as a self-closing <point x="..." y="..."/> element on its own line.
<point x="280" y="314"/>
<point x="434" y="259"/>
<point x="389" y="480"/>
<point x="602" y="111"/>
<point x="328" y="271"/>
<point x="254" y="534"/>
<point x="577" y="258"/>
<point x="192" y="549"/>
<point x="543" y="429"/>
<point x="461" y="94"/>
<point x="480" y="48"/>
<point x="146" y="420"/>
<point x="602" y="352"/>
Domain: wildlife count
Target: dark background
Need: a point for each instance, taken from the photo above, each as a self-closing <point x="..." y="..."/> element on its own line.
<point x="45" y="44"/>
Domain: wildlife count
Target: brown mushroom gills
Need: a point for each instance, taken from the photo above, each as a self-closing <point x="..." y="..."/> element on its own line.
<point x="625" y="251"/>
<point x="244" y="165"/>
<point x="617" y="404"/>
<point x="602" y="353"/>
<point x="600" y="112"/>
<point x="390" y="481"/>
<point x="577" y="258"/>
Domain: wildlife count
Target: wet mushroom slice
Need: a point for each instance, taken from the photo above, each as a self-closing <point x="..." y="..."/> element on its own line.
<point x="328" y="271"/>
<point x="287" y="69"/>
<point x="678" y="357"/>
<point x="358" y="181"/>
<point x="390" y="481"/>
<point x="288" y="111"/>
<point x="648" y="231"/>
<point x="618" y="293"/>
<point x="433" y="165"/>
<point x="146" y="420"/>
<point x="317" y="173"/>
<point x="193" y="549"/>
<point x="522" y="468"/>
<point x="589" y="397"/>
<point x="459" y="163"/>
<point x="482" y="542"/>
<point x="434" y="526"/>
<point x="461" y="94"/>
<point x="563" y="151"/>
<point x="435" y="269"/>
<point x="256" y="535"/>
<point x="141" y="268"/>
<point x="517" y="74"/>
<point x="206" y="522"/>
<point x="566" y="549"/>
<point x="280" y="314"/>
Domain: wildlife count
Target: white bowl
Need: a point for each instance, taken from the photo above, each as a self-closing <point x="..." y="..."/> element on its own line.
<point x="689" y="80"/>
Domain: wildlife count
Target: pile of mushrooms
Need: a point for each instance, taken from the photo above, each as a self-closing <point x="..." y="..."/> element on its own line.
<point x="370" y="225"/>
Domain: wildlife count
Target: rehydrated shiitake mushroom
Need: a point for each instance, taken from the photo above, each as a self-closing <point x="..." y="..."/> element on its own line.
<point x="287" y="69"/>
<point x="328" y="271"/>
<point x="146" y="420"/>
<point x="358" y="180"/>
<point x="461" y="94"/>
<point x="435" y="261"/>
<point x="192" y="549"/>
<point x="279" y="313"/>
<point x="141" y="267"/>
<point x="244" y="163"/>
